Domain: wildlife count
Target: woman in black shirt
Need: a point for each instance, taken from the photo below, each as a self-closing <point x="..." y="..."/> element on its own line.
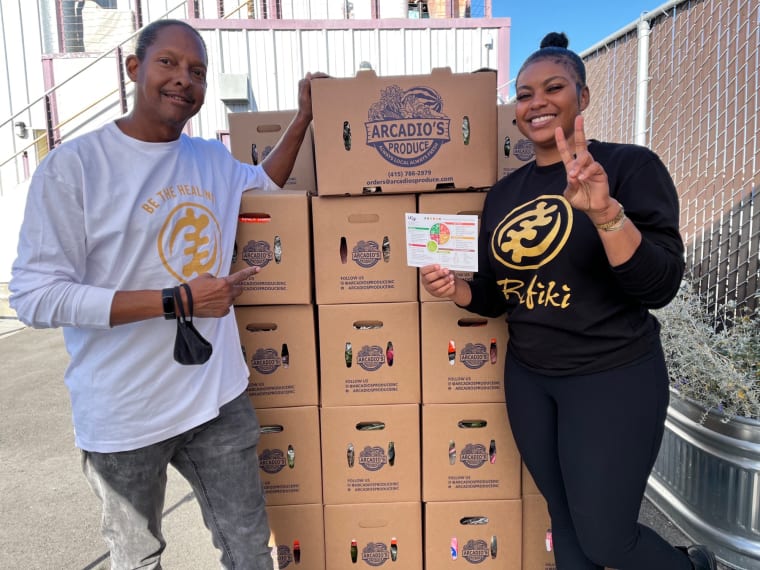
<point x="574" y="248"/>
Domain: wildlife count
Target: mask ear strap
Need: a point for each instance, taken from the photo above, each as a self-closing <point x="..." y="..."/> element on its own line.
<point x="179" y="306"/>
<point x="189" y="295"/>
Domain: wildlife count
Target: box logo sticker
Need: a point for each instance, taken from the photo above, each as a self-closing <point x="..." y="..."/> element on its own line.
<point x="524" y="150"/>
<point x="272" y="461"/>
<point x="372" y="458"/>
<point x="284" y="556"/>
<point x="474" y="455"/>
<point x="366" y="254"/>
<point x="370" y="358"/>
<point x="408" y="127"/>
<point x="265" y="360"/>
<point x="258" y="253"/>
<point x="474" y="356"/>
<point x="375" y="553"/>
<point x="475" y="551"/>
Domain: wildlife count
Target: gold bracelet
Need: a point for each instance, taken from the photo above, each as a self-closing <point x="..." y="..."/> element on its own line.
<point x="615" y="223"/>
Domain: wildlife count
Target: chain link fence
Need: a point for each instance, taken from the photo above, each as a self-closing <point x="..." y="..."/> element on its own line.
<point x="703" y="120"/>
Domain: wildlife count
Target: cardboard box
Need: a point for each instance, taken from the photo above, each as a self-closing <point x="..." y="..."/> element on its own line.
<point x="290" y="456"/>
<point x="298" y="531"/>
<point x="402" y="134"/>
<point x="360" y="250"/>
<point x="462" y="355"/>
<point x="460" y="203"/>
<point x="537" y="544"/>
<point x="374" y="528"/>
<point x="528" y="484"/>
<point x="274" y="233"/>
<point x="457" y="445"/>
<point x="254" y="135"/>
<point x="371" y="454"/>
<point x="513" y="148"/>
<point x="486" y="534"/>
<point x="382" y="365"/>
<point x="279" y="343"/>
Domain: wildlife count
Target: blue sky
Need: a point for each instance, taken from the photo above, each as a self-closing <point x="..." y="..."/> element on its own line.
<point x="585" y="22"/>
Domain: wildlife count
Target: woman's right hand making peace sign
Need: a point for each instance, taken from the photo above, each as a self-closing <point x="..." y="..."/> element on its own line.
<point x="587" y="187"/>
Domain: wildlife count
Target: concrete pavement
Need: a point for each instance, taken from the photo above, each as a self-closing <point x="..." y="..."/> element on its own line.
<point x="50" y="516"/>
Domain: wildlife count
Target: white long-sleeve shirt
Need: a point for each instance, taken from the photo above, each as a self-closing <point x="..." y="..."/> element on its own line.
<point x="106" y="212"/>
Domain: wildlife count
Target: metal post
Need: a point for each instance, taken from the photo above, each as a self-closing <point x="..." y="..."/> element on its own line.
<point x="642" y="82"/>
<point x="122" y="79"/>
<point x="138" y="15"/>
<point x="49" y="122"/>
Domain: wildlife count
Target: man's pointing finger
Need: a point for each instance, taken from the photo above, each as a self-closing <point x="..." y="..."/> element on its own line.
<point x="242" y="275"/>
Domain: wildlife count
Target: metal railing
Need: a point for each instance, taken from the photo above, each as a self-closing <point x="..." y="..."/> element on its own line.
<point x="51" y="137"/>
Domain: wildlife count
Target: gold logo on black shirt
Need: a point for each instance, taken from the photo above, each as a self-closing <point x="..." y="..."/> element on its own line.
<point x="528" y="237"/>
<point x="532" y="234"/>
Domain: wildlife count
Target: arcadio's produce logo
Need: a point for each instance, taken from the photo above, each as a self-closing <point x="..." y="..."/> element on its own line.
<point x="366" y="254"/>
<point x="375" y="554"/>
<point x="474" y="355"/>
<point x="272" y="461"/>
<point x="476" y="551"/>
<point x="372" y="458"/>
<point x="265" y="360"/>
<point x="407" y="127"/>
<point x="257" y="252"/>
<point x="284" y="556"/>
<point x="371" y="358"/>
<point x="474" y="455"/>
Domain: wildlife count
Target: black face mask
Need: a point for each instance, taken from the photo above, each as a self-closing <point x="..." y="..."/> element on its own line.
<point x="189" y="346"/>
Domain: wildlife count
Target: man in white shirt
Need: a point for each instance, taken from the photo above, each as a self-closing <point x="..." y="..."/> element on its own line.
<point x="115" y="220"/>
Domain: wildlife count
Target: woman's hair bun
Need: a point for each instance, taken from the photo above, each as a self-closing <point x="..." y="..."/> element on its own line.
<point x="555" y="39"/>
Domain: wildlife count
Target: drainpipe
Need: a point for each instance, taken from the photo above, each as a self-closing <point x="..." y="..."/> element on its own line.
<point x="642" y="82"/>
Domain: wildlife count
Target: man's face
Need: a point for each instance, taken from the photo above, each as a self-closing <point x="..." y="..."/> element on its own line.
<point x="170" y="82"/>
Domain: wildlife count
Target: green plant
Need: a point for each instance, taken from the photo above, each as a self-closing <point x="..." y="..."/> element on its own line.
<point x="715" y="362"/>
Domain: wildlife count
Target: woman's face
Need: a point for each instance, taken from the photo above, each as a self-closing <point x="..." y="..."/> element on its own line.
<point x="548" y="97"/>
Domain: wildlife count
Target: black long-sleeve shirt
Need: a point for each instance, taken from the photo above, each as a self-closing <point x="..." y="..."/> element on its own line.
<point x="543" y="264"/>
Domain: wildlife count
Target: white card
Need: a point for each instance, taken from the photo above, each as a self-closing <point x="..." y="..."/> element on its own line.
<point x="450" y="240"/>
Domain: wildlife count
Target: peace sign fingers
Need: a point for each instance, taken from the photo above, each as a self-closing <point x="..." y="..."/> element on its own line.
<point x="562" y="147"/>
<point x="586" y="180"/>
<point x="581" y="157"/>
<point x="581" y="145"/>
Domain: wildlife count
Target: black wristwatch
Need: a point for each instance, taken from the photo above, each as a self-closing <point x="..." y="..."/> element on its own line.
<point x="167" y="298"/>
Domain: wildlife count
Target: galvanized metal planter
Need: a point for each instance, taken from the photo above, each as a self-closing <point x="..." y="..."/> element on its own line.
<point x="707" y="481"/>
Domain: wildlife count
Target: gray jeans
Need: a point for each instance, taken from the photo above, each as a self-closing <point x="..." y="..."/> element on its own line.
<point x="219" y="461"/>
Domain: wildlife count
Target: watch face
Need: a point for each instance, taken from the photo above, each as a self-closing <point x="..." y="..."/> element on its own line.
<point x="167" y="298"/>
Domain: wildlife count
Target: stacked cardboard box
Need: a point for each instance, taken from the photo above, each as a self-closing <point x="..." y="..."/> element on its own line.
<point x="393" y="138"/>
<point x="471" y="468"/>
<point x="390" y="401"/>
<point x="277" y="325"/>
<point x="514" y="149"/>
<point x="254" y="135"/>
<point x="537" y="542"/>
<point x="370" y="380"/>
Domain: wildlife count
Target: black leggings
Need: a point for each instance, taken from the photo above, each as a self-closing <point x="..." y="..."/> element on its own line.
<point x="590" y="442"/>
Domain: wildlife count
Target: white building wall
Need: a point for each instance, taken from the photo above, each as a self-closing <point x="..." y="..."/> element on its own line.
<point x="20" y="78"/>
<point x="275" y="60"/>
<point x="274" y="57"/>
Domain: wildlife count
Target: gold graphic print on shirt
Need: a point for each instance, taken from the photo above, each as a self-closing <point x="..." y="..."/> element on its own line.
<point x="528" y="237"/>
<point x="190" y="242"/>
